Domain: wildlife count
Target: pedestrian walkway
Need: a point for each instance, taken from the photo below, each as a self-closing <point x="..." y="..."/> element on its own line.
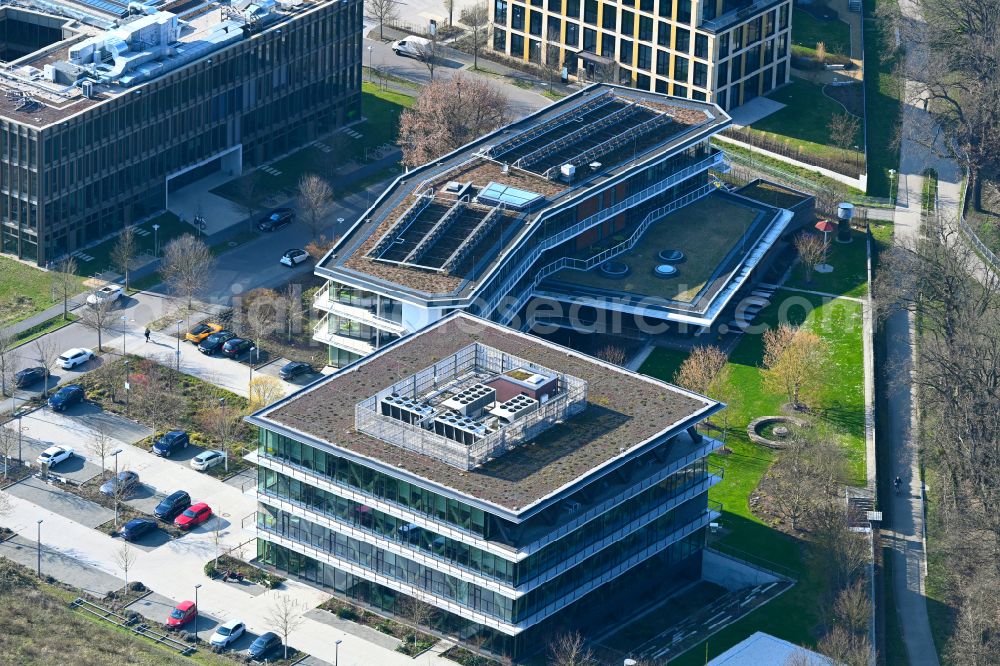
<point x="56" y="310"/>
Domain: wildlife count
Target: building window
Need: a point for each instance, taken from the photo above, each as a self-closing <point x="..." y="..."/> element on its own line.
<point x="684" y="12"/>
<point x="535" y="51"/>
<point x="590" y="40"/>
<point x="722" y="75"/>
<point x="663" y="34"/>
<point x="590" y="12"/>
<point x="535" y="24"/>
<point x="645" y="58"/>
<point x="555" y="6"/>
<point x="700" y="46"/>
<point x="517" y="45"/>
<point x="723" y="41"/>
<point x="625" y="52"/>
<point x="499" y="40"/>
<point x="680" y="91"/>
<point x="573" y="8"/>
<point x="781" y="77"/>
<point x="737" y="39"/>
<point x="720" y="98"/>
<point x="680" y="69"/>
<point x="645" y="28"/>
<point x="700" y="75"/>
<point x="607" y="45"/>
<point x="752" y="59"/>
<point x="517" y="18"/>
<point x="768" y="52"/>
<point x="663" y="63"/>
<point x="646" y="5"/>
<point x="698" y="96"/>
<point x="783" y="16"/>
<point x="642" y="81"/>
<point x="661" y="86"/>
<point x="682" y="40"/>
<point x="783" y="45"/>
<point x="572" y="35"/>
<point x="609" y="17"/>
<point x="770" y="23"/>
<point x="628" y="23"/>
<point x="768" y="83"/>
<point x="666" y="8"/>
<point x="735" y="73"/>
<point x="753" y="30"/>
<point x="554" y="29"/>
<point x="500" y="12"/>
<point x="536" y="3"/>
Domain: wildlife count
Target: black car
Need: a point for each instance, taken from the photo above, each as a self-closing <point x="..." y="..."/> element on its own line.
<point x="293" y="369"/>
<point x="136" y="527"/>
<point x="66" y="396"/>
<point x="29" y="376"/>
<point x="236" y="347"/>
<point x="170" y="442"/>
<point x="264" y="644"/>
<point x="172" y="505"/>
<point x="276" y="219"/>
<point x="214" y="342"/>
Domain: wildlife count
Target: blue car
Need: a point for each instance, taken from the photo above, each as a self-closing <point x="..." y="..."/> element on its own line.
<point x="65" y="397"/>
<point x="136" y="527"/>
<point x="263" y="645"/>
<point x="172" y="441"/>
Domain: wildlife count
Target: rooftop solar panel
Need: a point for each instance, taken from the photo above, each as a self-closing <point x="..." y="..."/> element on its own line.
<point x="498" y="194"/>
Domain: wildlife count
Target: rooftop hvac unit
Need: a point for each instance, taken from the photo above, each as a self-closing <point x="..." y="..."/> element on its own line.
<point x="568" y="171"/>
<point x="515" y="408"/>
<point x="471" y="400"/>
<point x="460" y="429"/>
<point x="406" y="410"/>
<point x="88" y="89"/>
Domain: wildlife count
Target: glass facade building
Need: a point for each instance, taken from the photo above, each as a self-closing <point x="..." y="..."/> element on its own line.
<point x="70" y="177"/>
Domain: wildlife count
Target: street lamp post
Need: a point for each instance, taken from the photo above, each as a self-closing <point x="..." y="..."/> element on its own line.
<point x="252" y="350"/>
<point x="156" y="240"/>
<point x="40" y="547"/>
<point x="179" y="322"/>
<point x="124" y="325"/>
<point x="115" y="486"/>
<point x="15" y="414"/>
<point x="371" y="72"/>
<point x="196" y="611"/>
<point x="224" y="430"/>
<point x="336" y="652"/>
<point x="892" y="188"/>
<point x="127" y="387"/>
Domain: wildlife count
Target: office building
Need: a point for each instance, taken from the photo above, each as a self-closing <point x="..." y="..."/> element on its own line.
<point x="517" y="487"/>
<point x="107" y="106"/>
<point x="721" y="51"/>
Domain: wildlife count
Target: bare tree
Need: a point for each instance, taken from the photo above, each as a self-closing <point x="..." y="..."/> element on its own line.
<point x="220" y="420"/>
<point x="260" y="312"/>
<point x="156" y="398"/>
<point x="64" y="282"/>
<point x="100" y="445"/>
<point x="315" y="198"/>
<point x="264" y="390"/>
<point x="795" y="491"/>
<point x="429" y="53"/>
<point x="477" y="18"/>
<point x="8" y="445"/>
<point x="569" y="650"/>
<point x="812" y="252"/>
<point x="420" y="613"/>
<point x="124" y="252"/>
<point x="292" y="310"/>
<point x="844" y="128"/>
<point x="46" y="348"/>
<point x="853" y="607"/>
<point x="448" y="114"/>
<point x="250" y="193"/>
<point x="125" y="557"/>
<point x="98" y="316"/>
<point x="8" y="360"/>
<point x="383" y="11"/>
<point x="700" y="370"/>
<point x="845" y="648"/>
<point x="186" y="262"/>
<point x="450" y="6"/>
<point x="793" y="362"/>
<point x="285" y="616"/>
<point x="612" y="354"/>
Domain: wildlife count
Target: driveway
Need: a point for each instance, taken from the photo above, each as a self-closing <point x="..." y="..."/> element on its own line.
<point x="77" y="469"/>
<point x="57" y="500"/>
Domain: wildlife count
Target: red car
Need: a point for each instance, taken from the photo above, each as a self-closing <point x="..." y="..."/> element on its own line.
<point x="182" y="614"/>
<point x="195" y="515"/>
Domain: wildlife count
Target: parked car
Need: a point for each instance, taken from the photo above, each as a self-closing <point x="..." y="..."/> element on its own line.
<point x="293" y="257"/>
<point x="126" y="480"/>
<point x="29" y="376"/>
<point x="276" y="219"/>
<point x="182" y="613"/>
<point x="136" y="527"/>
<point x="74" y="357"/>
<point x="214" y="342"/>
<point x="172" y="505"/>
<point x="226" y="633"/>
<point x="54" y="455"/>
<point x="263" y="645"/>
<point x="106" y="294"/>
<point x="193" y="516"/>
<point x="236" y="347"/>
<point x="173" y="441"/>
<point x="66" y="397"/>
<point x="202" y="331"/>
<point x="411" y="46"/>
<point x="293" y="369"/>
<point x="207" y="459"/>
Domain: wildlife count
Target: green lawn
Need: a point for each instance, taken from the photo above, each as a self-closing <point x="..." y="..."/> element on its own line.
<point x="794" y="615"/>
<point x="47" y="326"/>
<point x="24" y="291"/>
<point x="803" y="123"/>
<point x="170" y="227"/>
<point x="850" y="270"/>
<point x="380" y="108"/>
<point x="784" y="171"/>
<point x="883" y="92"/>
<point x="808" y="31"/>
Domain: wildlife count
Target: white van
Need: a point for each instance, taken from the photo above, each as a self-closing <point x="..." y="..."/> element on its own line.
<point x="411" y="46"/>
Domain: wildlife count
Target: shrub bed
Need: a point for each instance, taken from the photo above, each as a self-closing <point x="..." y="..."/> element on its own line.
<point x="413" y="642"/>
<point x="249" y="571"/>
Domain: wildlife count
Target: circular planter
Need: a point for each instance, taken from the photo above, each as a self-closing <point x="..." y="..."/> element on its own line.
<point x="665" y="271"/>
<point x="673" y="256"/>
<point x="755" y="427"/>
<point x="614" y="269"/>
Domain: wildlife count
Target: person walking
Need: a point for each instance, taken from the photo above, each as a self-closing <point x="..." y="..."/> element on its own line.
<point x="147" y="334"/>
